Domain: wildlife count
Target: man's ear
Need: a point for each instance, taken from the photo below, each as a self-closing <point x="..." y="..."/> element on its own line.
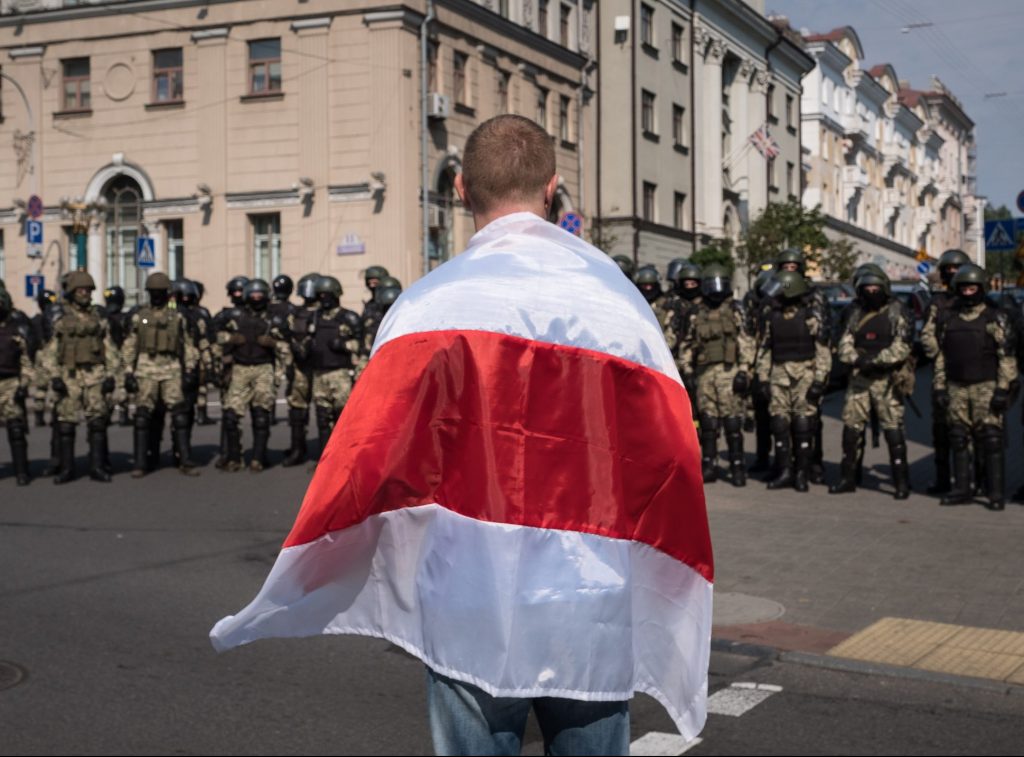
<point x="549" y="192"/>
<point x="460" y="189"/>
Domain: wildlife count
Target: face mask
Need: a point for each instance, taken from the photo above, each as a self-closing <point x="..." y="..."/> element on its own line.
<point x="328" y="301"/>
<point x="874" y="300"/>
<point x="258" y="303"/>
<point x="237" y="299"/>
<point x="691" y="293"/>
<point x="650" y="293"/>
<point x="158" y="298"/>
<point x="973" y="299"/>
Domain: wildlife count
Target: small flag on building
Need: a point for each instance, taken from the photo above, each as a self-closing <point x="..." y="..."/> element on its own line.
<point x="762" y="140"/>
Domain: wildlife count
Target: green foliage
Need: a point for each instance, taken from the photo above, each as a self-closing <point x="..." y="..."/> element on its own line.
<point x="1002" y="213"/>
<point x="781" y="225"/>
<point x="716" y="251"/>
<point x="602" y="237"/>
<point x="839" y="260"/>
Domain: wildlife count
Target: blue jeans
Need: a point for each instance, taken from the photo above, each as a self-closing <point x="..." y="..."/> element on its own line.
<point x="466" y="720"/>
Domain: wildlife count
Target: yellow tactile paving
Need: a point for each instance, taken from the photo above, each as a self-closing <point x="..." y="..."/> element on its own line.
<point x="940" y="647"/>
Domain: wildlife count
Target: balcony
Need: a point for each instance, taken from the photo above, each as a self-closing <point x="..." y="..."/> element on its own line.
<point x="855" y="177"/>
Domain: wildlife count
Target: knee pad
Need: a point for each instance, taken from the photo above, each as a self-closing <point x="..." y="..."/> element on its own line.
<point x="260" y="418"/>
<point x="97" y="424"/>
<point x="180" y="419"/>
<point x="804" y="424"/>
<point x="143" y="416"/>
<point x="16" y="429"/>
<point x="959" y="438"/>
<point x="733" y="425"/>
<point x="230" y="419"/>
<point x="992" y="438"/>
<point x="779" y="425"/>
<point x="298" y="415"/>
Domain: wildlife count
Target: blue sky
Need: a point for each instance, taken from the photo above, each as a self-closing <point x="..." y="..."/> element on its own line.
<point x="976" y="48"/>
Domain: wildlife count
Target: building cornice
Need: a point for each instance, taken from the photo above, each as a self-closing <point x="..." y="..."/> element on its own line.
<point x="349" y="192"/>
<point x="78" y="12"/>
<point x="268" y="199"/>
<point x="20" y="53"/>
<point x="856" y="231"/>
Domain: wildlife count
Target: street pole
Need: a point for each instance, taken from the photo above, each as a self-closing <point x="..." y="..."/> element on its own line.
<point x="424" y="125"/>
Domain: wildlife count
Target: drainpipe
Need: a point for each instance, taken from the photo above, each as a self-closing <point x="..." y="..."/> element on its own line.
<point x="632" y="129"/>
<point x="582" y="193"/>
<point x="693" y="129"/>
<point x="424" y="133"/>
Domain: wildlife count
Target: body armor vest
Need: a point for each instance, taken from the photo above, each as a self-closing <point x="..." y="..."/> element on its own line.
<point x="874" y="333"/>
<point x="971" y="352"/>
<point x="81" y="339"/>
<point x="322" y="357"/>
<point x="10" y="350"/>
<point x="717" y="334"/>
<point x="792" y="340"/>
<point x="251" y="353"/>
<point x="159" y="332"/>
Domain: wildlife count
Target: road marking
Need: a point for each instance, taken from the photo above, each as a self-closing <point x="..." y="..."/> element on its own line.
<point x="656" y="744"/>
<point x="740" y="698"/>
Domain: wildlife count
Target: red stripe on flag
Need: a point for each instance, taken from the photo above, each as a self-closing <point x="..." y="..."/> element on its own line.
<point x="510" y="430"/>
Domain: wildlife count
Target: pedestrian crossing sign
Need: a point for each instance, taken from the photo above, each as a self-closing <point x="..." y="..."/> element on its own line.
<point x="999" y="236"/>
<point x="145" y="252"/>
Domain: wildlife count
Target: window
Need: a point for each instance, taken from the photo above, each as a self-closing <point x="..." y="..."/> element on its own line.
<point x="647" y="25"/>
<point x="76" y="84"/>
<point x="264" y="66"/>
<point x="564" y="18"/>
<point x="773" y="181"/>
<point x="432" y="67"/>
<point x="647" y="112"/>
<point x="168" y="81"/>
<point x="649" y="201"/>
<point x="503" y="81"/>
<point x="679" y="125"/>
<point x="771" y="104"/>
<point x="542" y="108"/>
<point x="679" y="211"/>
<point x="789" y="111"/>
<point x="459" y="63"/>
<point x="542" y="17"/>
<point x="266" y="245"/>
<point x="790" y="175"/>
<point x="678" y="50"/>
<point x="563" y="118"/>
<point x="503" y="8"/>
<point x="175" y="249"/>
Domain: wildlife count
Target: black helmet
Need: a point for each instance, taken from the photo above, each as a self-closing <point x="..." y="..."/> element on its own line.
<point x="375" y="272"/>
<point x="864" y="268"/>
<point x="689" y="271"/>
<point x="386" y="296"/>
<point x="949" y="261"/>
<point x="791" y="255"/>
<point x="674" y="266"/>
<point x="48" y="297"/>
<point x="113" y="298"/>
<point x="390" y="282"/>
<point x="870" y="278"/>
<point x="306" y="288"/>
<point x="199" y="288"/>
<point x="648" y="282"/>
<point x="283" y="287"/>
<point x="6" y="305"/>
<point x="971" y="274"/>
<point x="252" y="289"/>
<point x="237" y="284"/>
<point x="625" y="264"/>
<point x="328" y="285"/>
<point x="786" y="284"/>
<point x="763" y="277"/>
<point x="716" y="285"/>
<point x="186" y="292"/>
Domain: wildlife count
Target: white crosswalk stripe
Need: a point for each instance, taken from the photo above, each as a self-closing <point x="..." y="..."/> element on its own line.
<point x="656" y="744"/>
<point x="740" y="698"/>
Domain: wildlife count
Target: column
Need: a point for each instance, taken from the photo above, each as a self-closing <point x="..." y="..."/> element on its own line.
<point x="96" y="262"/>
<point x="757" y="164"/>
<point x="708" y="77"/>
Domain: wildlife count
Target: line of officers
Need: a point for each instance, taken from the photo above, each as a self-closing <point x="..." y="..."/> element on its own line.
<point x="764" y="364"/>
<point x="80" y="360"/>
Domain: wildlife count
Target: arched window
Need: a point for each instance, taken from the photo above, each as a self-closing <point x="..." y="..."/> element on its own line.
<point x="124" y="227"/>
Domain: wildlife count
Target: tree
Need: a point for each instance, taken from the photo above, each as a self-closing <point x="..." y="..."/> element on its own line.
<point x="602" y="237"/>
<point x="1002" y="213"/>
<point x="716" y="251"/>
<point x="839" y="260"/>
<point x="782" y="225"/>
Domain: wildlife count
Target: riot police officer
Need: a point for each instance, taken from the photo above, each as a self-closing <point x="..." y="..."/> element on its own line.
<point x="387" y="293"/>
<point x="15" y="378"/>
<point x="949" y="263"/>
<point x="755" y="306"/>
<point x="299" y="392"/>
<point x="876" y="343"/>
<point x="372" y="277"/>
<point x="793" y="366"/>
<point x="720" y="355"/>
<point x="197" y="318"/>
<point x="974" y="370"/>
<point x="81" y="362"/>
<point x="280" y="304"/>
<point x="626" y="265"/>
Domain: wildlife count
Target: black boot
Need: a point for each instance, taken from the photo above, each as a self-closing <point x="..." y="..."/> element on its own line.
<point x="994" y="467"/>
<point x="40" y="418"/>
<point x="98" y="450"/>
<point x="803" y="450"/>
<point x="859" y="469"/>
<point x="816" y="471"/>
<point x="853" y="449"/>
<point x="232" y="442"/>
<point x="124" y="418"/>
<point x="324" y="426"/>
<point x="762" y="428"/>
<point x="783" y="454"/>
<point x="734" y="441"/>
<point x="141" y="441"/>
<point x="156" y="436"/>
<point x="202" y="418"/>
<point x="65" y="453"/>
<point x="960" y="492"/>
<point x="222" y="455"/>
<point x="298" y="419"/>
<point x="53" y="464"/>
<point x="941" y="443"/>
<point x="709" y="448"/>
<point x="260" y="438"/>
<point x="898" y="462"/>
<point x="19" y="450"/>
<point x="181" y="423"/>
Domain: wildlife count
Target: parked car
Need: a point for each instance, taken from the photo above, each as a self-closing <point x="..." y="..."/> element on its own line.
<point x="916" y="298"/>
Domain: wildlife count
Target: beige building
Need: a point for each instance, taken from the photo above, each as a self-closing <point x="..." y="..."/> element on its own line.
<point x="681" y="93"/>
<point x="257" y="137"/>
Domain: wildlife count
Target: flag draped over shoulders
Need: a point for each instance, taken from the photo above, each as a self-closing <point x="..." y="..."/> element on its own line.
<point x="513" y="491"/>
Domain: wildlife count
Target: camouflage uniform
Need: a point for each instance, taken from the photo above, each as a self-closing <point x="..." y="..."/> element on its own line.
<point x="718" y="355"/>
<point x="974" y="370"/>
<point x="15" y="379"/>
<point x="876" y="343"/>
<point x="794" y="361"/>
<point x="300" y="380"/>
<point x="81" y="362"/>
<point x="938" y="308"/>
<point x="335" y="357"/>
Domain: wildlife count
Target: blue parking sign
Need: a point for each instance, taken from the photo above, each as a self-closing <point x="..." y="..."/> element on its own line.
<point x="34" y="232"/>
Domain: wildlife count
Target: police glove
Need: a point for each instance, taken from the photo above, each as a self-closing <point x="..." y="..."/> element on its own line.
<point x="107" y="387"/>
<point x="740" y="384"/>
<point x="236" y="339"/>
<point x="131" y="384"/>
<point x="190" y="381"/>
<point x="1000" y="401"/>
<point x="816" y="392"/>
<point x="941" y="399"/>
<point x="20" y="394"/>
<point x="337" y="344"/>
<point x="59" y="386"/>
<point x="265" y="340"/>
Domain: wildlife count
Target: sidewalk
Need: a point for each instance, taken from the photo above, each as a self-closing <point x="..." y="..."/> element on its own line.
<point x="805" y="572"/>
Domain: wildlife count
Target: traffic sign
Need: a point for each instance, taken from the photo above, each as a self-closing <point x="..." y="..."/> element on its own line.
<point x="145" y="252"/>
<point x="1000" y="236"/>
<point x="924" y="268"/>
<point x="35" y="206"/>
<point x="34" y="232"/>
<point x="572" y="222"/>
<point x="1020" y="202"/>
<point x="34" y="284"/>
